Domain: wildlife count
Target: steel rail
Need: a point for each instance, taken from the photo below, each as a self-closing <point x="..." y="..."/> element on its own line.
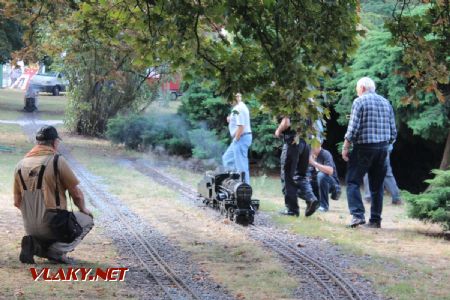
<point x="303" y="259"/>
<point x="322" y="273"/>
<point x="150" y="250"/>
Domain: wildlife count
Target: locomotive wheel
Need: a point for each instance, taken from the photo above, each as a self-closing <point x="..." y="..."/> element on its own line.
<point x="222" y="211"/>
<point x="230" y="213"/>
<point x="243" y="220"/>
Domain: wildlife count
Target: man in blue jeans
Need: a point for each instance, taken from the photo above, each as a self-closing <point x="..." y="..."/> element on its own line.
<point x="235" y="157"/>
<point x="371" y="129"/>
<point x="324" y="179"/>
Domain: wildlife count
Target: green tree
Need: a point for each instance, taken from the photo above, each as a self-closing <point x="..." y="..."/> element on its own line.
<point x="10" y="35"/>
<point x="99" y="65"/>
<point x="276" y="49"/>
<point x="424" y="34"/>
<point x="270" y="48"/>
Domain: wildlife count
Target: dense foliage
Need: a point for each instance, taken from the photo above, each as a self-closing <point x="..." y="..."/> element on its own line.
<point x="423" y="32"/>
<point x="98" y="93"/>
<point x="148" y="132"/>
<point x="434" y="204"/>
<point x="269" y="47"/>
<point x="10" y="36"/>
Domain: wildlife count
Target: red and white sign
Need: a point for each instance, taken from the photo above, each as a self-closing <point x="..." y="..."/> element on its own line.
<point x="24" y="80"/>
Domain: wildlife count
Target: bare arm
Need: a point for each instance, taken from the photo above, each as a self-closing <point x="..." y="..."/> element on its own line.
<point x="17" y="200"/>
<point x="239" y="132"/>
<point x="345" y="149"/>
<point x="17" y="193"/>
<point x="78" y="199"/>
<point x="322" y="168"/>
<point x="284" y="124"/>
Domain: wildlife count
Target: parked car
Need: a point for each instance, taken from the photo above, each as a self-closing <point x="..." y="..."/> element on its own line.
<point x="51" y="82"/>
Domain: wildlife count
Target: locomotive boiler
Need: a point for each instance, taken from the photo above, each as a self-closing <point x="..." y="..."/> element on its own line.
<point x="227" y="192"/>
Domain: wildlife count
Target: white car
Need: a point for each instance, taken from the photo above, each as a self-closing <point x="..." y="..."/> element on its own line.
<point x="51" y="82"/>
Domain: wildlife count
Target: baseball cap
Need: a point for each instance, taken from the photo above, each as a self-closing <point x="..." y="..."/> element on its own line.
<point x="47" y="133"/>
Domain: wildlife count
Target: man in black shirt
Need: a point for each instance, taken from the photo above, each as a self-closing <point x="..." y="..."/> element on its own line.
<point x="294" y="163"/>
<point x="326" y="179"/>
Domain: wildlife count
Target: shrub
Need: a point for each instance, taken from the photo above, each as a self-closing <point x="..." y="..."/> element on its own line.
<point x="142" y="132"/>
<point x="434" y="204"/>
<point x="206" y="145"/>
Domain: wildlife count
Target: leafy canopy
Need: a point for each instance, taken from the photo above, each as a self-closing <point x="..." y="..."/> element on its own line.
<point x="276" y="49"/>
<point x="424" y="34"/>
<point x="10" y="36"/>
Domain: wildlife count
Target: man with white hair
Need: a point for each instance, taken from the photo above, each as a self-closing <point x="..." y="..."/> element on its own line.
<point x="371" y="129"/>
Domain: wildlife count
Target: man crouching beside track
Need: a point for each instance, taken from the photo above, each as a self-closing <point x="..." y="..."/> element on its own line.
<point x="40" y="194"/>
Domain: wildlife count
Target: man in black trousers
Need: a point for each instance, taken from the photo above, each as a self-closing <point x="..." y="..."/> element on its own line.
<point x="294" y="166"/>
<point x="370" y="131"/>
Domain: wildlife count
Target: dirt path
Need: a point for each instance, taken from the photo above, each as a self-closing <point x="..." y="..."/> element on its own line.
<point x="158" y="268"/>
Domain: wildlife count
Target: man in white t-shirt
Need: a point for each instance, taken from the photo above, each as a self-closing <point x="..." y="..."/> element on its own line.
<point x="236" y="156"/>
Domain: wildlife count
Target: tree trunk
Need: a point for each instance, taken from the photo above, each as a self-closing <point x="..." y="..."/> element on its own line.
<point x="445" y="163"/>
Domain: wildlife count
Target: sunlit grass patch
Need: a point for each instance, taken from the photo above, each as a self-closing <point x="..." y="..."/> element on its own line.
<point x="12" y="103"/>
<point x="12" y="139"/>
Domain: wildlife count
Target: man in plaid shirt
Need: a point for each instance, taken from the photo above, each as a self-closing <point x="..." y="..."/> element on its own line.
<point x="371" y="129"/>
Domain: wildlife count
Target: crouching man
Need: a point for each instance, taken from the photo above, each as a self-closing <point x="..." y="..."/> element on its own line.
<point x="39" y="191"/>
<point x="325" y="179"/>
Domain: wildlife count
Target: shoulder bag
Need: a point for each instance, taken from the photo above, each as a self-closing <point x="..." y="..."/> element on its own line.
<point x="64" y="224"/>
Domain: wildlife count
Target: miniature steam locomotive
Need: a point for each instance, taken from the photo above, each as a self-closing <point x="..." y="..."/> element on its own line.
<point x="227" y="192"/>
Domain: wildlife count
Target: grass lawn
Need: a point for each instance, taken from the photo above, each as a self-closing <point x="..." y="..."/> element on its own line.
<point x="11" y="105"/>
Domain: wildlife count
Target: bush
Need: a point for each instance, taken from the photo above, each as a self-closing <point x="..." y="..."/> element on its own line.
<point x="434" y="204"/>
<point x="206" y="145"/>
<point x="143" y="132"/>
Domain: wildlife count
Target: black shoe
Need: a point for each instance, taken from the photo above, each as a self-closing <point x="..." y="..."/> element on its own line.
<point x="397" y="202"/>
<point x="289" y="213"/>
<point x="311" y="207"/>
<point x="356" y="222"/>
<point x="27" y="251"/>
<point x="373" y="225"/>
<point x="336" y="194"/>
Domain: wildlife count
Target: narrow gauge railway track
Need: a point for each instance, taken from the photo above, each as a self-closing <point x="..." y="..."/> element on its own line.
<point x="173" y="286"/>
<point x="335" y="286"/>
